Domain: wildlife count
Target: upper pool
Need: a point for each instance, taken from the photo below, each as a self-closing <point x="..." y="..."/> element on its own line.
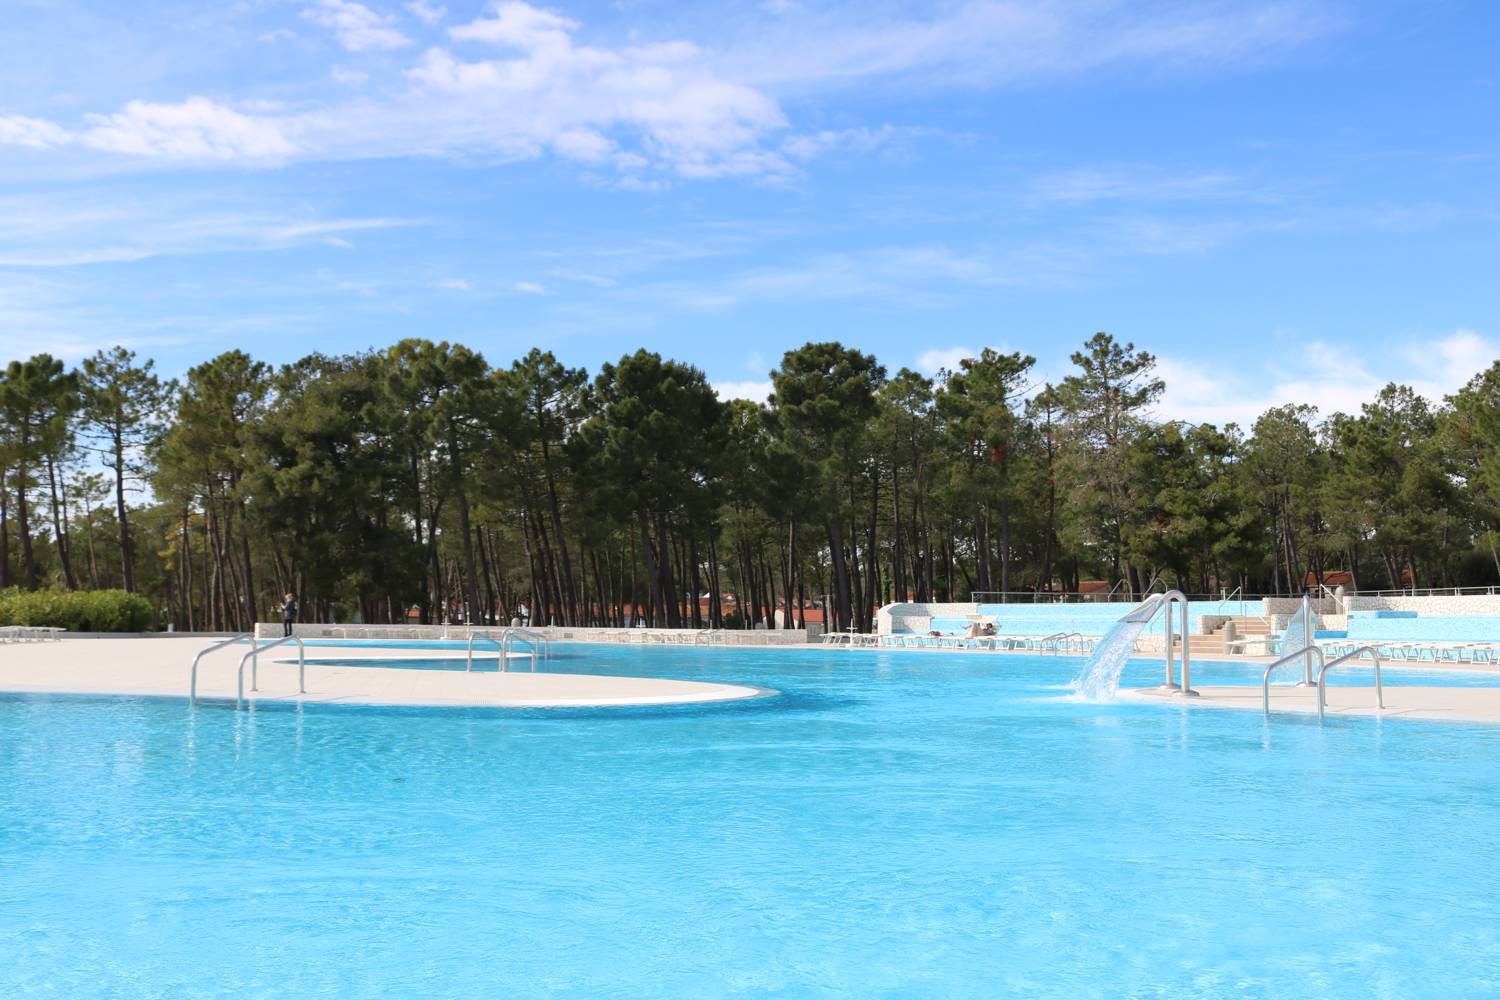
<point x="894" y="824"/>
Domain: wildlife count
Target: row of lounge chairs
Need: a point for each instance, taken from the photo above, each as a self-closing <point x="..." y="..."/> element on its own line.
<point x="671" y="637"/>
<point x="31" y="633"/>
<point x="1057" y="644"/>
<point x="1417" y="652"/>
<point x="1061" y="643"/>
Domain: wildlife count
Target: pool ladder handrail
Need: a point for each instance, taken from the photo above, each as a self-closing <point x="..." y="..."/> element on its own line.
<point x="1056" y="639"/>
<point x="469" y="660"/>
<point x="532" y="640"/>
<point x="1306" y="653"/>
<point x="1361" y="651"/>
<point x="193" y="676"/>
<point x="254" y="655"/>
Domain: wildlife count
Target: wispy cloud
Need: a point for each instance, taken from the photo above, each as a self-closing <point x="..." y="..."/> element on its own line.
<point x="357" y="27"/>
<point x="988" y="42"/>
<point x="1327" y="376"/>
<point x="517" y="82"/>
<point x="943" y="359"/>
<point x="196" y="129"/>
<point x="1088" y="185"/>
<point x="755" y="391"/>
<point x="44" y="232"/>
<point x="427" y="12"/>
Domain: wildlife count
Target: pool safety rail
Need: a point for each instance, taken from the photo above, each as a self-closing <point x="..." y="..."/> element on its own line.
<point x="1374" y="655"/>
<point x="193" y="676"/>
<point x="1056" y="641"/>
<point x="254" y="657"/>
<point x="534" y="642"/>
<point x="1307" y="655"/>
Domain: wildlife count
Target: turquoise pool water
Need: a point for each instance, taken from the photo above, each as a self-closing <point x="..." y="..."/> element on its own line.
<point x="895" y="825"/>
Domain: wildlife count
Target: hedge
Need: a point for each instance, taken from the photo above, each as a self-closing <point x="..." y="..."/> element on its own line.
<point x="77" y="610"/>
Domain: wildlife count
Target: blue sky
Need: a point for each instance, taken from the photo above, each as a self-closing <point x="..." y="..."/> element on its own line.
<point x="1290" y="200"/>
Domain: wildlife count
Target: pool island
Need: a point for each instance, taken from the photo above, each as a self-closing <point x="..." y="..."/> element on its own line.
<point x="158" y="668"/>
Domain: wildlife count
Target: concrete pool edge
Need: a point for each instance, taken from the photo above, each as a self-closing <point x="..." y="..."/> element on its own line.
<point x="129" y="669"/>
<point x="1479" y="705"/>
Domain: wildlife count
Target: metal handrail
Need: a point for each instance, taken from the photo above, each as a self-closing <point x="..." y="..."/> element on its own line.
<point x="1265" y="681"/>
<point x="469" y="667"/>
<point x="531" y="639"/>
<point x="254" y="654"/>
<point x="1057" y="639"/>
<point x="1361" y="651"/>
<point x="193" y="677"/>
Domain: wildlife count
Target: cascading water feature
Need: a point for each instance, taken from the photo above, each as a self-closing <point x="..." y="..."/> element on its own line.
<point x="1101" y="674"/>
<point x="1298" y="636"/>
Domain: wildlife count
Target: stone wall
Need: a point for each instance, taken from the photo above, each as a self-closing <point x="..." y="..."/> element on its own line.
<point x="460" y="633"/>
<point x="1454" y="606"/>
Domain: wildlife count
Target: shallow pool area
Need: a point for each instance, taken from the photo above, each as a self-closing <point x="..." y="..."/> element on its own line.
<point x="890" y="824"/>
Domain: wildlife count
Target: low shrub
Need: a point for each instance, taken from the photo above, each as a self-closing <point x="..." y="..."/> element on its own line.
<point x="76" y="610"/>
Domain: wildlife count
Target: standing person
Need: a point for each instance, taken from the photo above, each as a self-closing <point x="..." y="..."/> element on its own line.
<point x="288" y="613"/>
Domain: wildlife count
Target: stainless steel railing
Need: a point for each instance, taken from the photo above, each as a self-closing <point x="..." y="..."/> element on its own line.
<point x="1361" y="651"/>
<point x="254" y="655"/>
<point x="532" y="640"/>
<point x="193" y="676"/>
<point x="1265" y="681"/>
<point x="469" y="660"/>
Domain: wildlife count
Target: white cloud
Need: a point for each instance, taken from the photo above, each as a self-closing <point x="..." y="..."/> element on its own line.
<point x="529" y="288"/>
<point x="427" y="13"/>
<point x="1334" y="378"/>
<point x="584" y="277"/>
<point x="814" y="144"/>
<point x="18" y="130"/>
<point x="348" y="77"/>
<point x="984" y="42"/>
<point x="517" y="82"/>
<point x="337" y="243"/>
<point x="357" y="27"/>
<point x="518" y="25"/>
<point x="755" y="391"/>
<point x="1093" y="185"/>
<point x="583" y="144"/>
<point x="944" y="359"/>
<point x="42" y="232"/>
<point x="1453" y="360"/>
<point x="196" y="129"/>
<point x="452" y="284"/>
<point x="546" y="91"/>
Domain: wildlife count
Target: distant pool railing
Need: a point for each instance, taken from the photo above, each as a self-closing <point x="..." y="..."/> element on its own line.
<point x="533" y="641"/>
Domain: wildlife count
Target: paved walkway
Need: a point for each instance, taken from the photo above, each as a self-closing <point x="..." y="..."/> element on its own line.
<point x="1447" y="704"/>
<point x="159" y="667"/>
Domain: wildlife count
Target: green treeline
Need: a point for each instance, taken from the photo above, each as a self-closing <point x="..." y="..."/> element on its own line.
<point x="420" y="480"/>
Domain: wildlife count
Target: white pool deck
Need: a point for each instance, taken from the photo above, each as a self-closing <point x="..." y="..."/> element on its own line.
<point x="1438" y="704"/>
<point x="159" y="667"/>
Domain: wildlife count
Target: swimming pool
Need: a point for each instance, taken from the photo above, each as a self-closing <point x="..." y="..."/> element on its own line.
<point x="893" y="824"/>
